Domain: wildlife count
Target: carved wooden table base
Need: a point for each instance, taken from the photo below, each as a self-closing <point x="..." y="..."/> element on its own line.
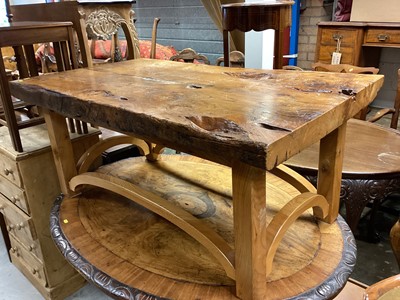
<point x="357" y="193"/>
<point x="95" y="225"/>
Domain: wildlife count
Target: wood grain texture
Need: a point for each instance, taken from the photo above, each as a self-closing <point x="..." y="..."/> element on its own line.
<point x="330" y="170"/>
<point x="250" y="221"/>
<point x="379" y="146"/>
<point x="387" y="289"/>
<point x="151" y="257"/>
<point x="259" y="117"/>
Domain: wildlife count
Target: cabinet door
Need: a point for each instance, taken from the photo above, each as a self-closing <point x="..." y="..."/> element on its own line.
<point x="348" y="39"/>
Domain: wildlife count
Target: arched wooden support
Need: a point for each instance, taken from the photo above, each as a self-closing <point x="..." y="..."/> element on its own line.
<point x="96" y="150"/>
<point x="297" y="181"/>
<point x="286" y="217"/>
<point x="213" y="242"/>
<point x="293" y="178"/>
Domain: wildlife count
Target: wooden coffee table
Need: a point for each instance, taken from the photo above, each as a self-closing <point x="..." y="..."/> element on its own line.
<point x="242" y="123"/>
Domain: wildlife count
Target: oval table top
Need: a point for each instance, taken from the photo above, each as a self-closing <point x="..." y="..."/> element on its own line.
<point x="129" y="251"/>
<point x="369" y="150"/>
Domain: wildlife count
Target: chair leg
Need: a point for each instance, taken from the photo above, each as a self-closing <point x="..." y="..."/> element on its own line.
<point x="8" y="107"/>
<point x="154" y="38"/>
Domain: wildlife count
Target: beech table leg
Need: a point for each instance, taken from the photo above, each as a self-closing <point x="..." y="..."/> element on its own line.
<point x="330" y="170"/>
<point x="62" y="149"/>
<point x="249" y="214"/>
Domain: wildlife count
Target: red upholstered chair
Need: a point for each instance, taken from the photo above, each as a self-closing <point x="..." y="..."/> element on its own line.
<point x="101" y="49"/>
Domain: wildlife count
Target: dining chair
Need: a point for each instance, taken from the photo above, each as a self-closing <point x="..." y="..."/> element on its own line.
<point x="236" y="59"/>
<point x="189" y="55"/>
<point x="346" y="68"/>
<point x="388" y="288"/>
<point x="22" y="36"/>
<point x="343" y="68"/>
<point x="88" y="21"/>
<point x="105" y="21"/>
<point x="395" y="111"/>
<point x="57" y="12"/>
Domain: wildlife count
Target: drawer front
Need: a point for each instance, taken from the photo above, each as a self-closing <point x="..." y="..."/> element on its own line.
<point x="348" y="56"/>
<point x="33" y="248"/>
<point x="382" y="36"/>
<point x="27" y="263"/>
<point x="9" y="170"/>
<point x="14" y="194"/>
<point x="18" y="223"/>
<point x="347" y="37"/>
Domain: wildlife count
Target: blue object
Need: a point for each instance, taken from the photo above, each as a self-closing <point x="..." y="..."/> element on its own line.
<point x="294" y="33"/>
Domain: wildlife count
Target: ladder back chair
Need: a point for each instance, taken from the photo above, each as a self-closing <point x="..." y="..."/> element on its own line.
<point x="22" y="36"/>
<point x="57" y="12"/>
<point x="345" y="68"/>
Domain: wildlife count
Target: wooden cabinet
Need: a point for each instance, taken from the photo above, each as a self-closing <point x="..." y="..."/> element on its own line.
<point x="360" y="42"/>
<point x="28" y="188"/>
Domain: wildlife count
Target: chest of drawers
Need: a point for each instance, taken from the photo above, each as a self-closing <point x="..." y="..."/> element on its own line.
<point x="28" y="188"/>
<point x="360" y="42"/>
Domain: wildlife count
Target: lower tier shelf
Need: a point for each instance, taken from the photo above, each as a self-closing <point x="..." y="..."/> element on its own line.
<point x="132" y="253"/>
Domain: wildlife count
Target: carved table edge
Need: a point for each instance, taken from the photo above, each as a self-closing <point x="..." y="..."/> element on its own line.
<point x="326" y="290"/>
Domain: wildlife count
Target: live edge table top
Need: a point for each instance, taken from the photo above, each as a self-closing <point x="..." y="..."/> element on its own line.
<point x="258" y="117"/>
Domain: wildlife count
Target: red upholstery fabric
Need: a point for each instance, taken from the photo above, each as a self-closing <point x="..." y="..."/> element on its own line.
<point x="102" y="50"/>
<point x="343" y="10"/>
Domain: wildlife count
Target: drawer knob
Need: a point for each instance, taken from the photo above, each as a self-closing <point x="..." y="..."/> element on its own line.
<point x="14" y="199"/>
<point x="35" y="270"/>
<point x="13" y="250"/>
<point x="10" y="227"/>
<point x="20" y="226"/>
<point x="1" y="206"/>
<point x="337" y="37"/>
<point x="31" y="247"/>
<point x="7" y="171"/>
<point x="382" y="37"/>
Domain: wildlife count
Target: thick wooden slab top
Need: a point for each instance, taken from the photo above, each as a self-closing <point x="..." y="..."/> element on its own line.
<point x="260" y="117"/>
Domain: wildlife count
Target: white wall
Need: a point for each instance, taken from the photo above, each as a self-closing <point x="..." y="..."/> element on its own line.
<point x="259" y="48"/>
<point x="16" y="2"/>
<point x="3" y="13"/>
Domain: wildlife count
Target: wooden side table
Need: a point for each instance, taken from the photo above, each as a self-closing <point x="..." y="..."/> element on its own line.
<point x="258" y="17"/>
